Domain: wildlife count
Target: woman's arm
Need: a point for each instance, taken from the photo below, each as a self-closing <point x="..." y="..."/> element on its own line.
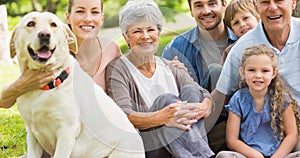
<point x="232" y="138"/>
<point x="28" y="80"/>
<point x="291" y="134"/>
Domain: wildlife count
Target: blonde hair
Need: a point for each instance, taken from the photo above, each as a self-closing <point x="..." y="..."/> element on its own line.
<point x="278" y="93"/>
<point x="236" y="6"/>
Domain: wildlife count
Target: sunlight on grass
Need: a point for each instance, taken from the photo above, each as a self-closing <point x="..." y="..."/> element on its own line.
<point x="12" y="130"/>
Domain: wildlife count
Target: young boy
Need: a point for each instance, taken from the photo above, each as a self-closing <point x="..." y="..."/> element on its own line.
<point x="241" y="17"/>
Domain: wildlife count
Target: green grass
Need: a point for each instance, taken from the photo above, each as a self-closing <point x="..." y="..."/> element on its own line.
<point x="12" y="129"/>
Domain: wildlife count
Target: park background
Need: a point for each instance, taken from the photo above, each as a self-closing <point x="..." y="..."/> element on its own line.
<point x="177" y="20"/>
<point x="12" y="131"/>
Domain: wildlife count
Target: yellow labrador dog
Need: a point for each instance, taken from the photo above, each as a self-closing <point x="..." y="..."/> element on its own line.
<point x="71" y="116"/>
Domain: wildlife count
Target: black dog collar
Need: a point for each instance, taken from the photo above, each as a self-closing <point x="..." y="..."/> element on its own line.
<point x="58" y="80"/>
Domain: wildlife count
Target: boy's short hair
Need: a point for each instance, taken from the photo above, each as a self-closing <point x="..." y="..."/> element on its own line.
<point x="236" y="6"/>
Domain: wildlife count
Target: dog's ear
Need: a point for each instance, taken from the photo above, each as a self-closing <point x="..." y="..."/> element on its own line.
<point x="12" y="43"/>
<point x="71" y="40"/>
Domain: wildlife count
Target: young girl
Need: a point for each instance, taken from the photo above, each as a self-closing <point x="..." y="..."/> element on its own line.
<point x="263" y="109"/>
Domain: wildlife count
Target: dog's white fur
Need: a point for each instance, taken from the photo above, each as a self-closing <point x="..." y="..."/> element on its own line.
<point x="53" y="117"/>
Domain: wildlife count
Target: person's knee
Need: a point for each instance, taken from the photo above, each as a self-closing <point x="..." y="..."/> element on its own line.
<point x="191" y="93"/>
<point x="164" y="100"/>
<point x="214" y="73"/>
<point x="222" y="154"/>
<point x="168" y="98"/>
<point x="214" y="69"/>
<point x="297" y="146"/>
<point x="229" y="154"/>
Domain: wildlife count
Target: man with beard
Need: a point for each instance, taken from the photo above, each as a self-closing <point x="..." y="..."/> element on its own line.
<point x="200" y="50"/>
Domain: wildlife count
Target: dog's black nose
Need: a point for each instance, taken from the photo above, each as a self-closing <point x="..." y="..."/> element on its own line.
<point x="44" y="37"/>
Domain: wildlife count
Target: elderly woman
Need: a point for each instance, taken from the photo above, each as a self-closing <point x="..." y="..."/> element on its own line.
<point x="161" y="101"/>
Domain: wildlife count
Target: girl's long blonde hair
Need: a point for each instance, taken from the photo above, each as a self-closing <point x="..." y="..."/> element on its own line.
<point x="278" y="93"/>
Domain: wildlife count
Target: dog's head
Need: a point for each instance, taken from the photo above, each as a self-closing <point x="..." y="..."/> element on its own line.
<point x="40" y="39"/>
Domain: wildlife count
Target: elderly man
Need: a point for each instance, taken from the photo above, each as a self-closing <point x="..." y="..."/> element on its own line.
<point x="278" y="30"/>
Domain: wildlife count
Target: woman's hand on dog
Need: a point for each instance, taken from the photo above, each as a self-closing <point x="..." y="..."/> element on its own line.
<point x="28" y="80"/>
<point x="35" y="79"/>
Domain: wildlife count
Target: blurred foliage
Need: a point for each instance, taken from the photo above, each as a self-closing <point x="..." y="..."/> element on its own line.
<point x="18" y="8"/>
<point x="296" y="11"/>
<point x="168" y="8"/>
<point x="6" y="1"/>
<point x="22" y="7"/>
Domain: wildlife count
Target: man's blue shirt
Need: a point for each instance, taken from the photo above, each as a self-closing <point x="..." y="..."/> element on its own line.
<point x="187" y="48"/>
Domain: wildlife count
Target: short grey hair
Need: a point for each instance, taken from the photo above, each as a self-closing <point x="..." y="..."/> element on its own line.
<point x="137" y="10"/>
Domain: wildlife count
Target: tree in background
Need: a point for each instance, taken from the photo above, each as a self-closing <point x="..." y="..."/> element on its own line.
<point x="51" y="5"/>
<point x="168" y="8"/>
<point x="14" y="6"/>
<point x="18" y="8"/>
<point x="296" y="12"/>
<point x="4" y="35"/>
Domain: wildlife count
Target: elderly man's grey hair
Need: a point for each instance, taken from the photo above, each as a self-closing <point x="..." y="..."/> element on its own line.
<point x="137" y="10"/>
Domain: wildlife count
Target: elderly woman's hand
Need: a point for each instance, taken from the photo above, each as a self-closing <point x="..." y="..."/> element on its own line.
<point x="178" y="117"/>
<point x="203" y="109"/>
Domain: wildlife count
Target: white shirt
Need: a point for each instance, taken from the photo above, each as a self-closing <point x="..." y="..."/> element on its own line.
<point x="161" y="82"/>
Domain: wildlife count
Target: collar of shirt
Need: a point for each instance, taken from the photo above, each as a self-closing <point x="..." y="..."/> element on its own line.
<point x="195" y="32"/>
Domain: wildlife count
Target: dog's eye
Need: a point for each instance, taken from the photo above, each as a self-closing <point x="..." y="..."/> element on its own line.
<point x="53" y="24"/>
<point x="30" y="24"/>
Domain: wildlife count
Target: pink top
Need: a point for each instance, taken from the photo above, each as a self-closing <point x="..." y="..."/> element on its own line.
<point x="110" y="51"/>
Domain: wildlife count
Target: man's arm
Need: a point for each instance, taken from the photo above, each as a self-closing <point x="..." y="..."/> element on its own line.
<point x="220" y="100"/>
